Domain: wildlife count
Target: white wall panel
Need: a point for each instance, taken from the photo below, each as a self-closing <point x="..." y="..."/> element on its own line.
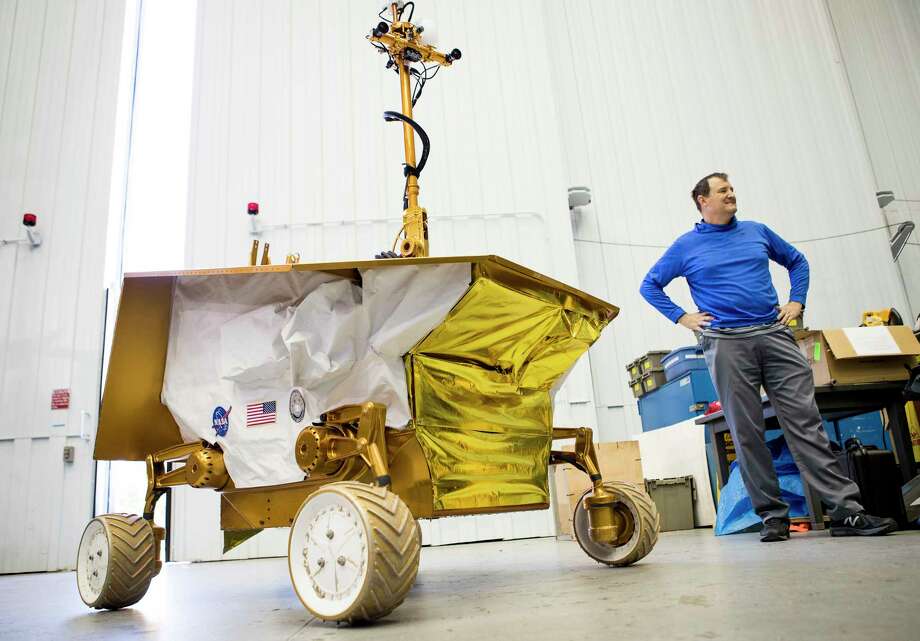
<point x="59" y="64"/>
<point x="880" y="44"/>
<point x="654" y="95"/>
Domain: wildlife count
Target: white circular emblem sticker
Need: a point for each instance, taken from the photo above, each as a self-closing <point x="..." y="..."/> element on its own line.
<point x="297" y="405"/>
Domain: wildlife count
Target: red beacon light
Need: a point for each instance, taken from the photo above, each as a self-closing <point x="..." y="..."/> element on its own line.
<point x="33" y="236"/>
<point x="253" y="210"/>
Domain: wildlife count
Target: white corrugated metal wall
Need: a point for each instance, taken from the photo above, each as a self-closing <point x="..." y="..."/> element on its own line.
<point x="59" y="64"/>
<point x="654" y="95"/>
<point x="880" y="41"/>
<point x="287" y="112"/>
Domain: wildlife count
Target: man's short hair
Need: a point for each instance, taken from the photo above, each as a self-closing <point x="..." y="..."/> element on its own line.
<point x="702" y="187"/>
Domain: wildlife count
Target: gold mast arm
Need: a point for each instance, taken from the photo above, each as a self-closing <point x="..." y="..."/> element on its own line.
<point x="404" y="45"/>
<point x="415" y="219"/>
<point x="408" y="132"/>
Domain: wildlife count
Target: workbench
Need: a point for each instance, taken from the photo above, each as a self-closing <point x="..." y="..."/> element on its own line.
<point x="834" y="402"/>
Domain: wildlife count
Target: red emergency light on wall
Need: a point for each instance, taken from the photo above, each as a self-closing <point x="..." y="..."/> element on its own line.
<point x="33" y="237"/>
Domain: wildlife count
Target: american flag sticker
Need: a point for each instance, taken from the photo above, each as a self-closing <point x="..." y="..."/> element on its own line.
<point x="260" y="413"/>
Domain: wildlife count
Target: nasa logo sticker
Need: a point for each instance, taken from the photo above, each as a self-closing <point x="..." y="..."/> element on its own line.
<point x="220" y="420"/>
<point x="297" y="405"/>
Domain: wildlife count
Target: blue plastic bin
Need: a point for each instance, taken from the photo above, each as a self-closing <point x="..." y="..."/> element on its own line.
<point x="868" y="428"/>
<point x="683" y="360"/>
<point x="676" y="401"/>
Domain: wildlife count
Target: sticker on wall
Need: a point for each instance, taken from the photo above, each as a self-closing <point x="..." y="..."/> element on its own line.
<point x="220" y="420"/>
<point x="297" y="405"/>
<point x="261" y="413"/>
<point x="60" y="399"/>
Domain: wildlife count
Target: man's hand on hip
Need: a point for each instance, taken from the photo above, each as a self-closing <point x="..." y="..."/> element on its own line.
<point x="696" y="322"/>
<point x="789" y="312"/>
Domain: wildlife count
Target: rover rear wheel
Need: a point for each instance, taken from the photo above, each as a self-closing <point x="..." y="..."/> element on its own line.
<point x="353" y="552"/>
<point x="640" y="517"/>
<point x="116" y="561"/>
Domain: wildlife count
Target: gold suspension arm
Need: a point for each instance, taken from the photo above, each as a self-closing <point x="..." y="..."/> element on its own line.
<point x="403" y="42"/>
<point x="369" y="442"/>
<point x="606" y="524"/>
<point x="204" y="467"/>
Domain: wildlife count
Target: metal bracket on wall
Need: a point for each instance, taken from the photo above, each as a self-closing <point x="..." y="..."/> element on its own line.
<point x="33" y="239"/>
<point x="33" y="236"/>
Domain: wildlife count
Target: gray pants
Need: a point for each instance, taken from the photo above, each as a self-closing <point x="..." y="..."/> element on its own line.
<point x="739" y="366"/>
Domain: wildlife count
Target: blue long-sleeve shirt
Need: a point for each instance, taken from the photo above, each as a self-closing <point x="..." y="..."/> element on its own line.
<point x="727" y="268"/>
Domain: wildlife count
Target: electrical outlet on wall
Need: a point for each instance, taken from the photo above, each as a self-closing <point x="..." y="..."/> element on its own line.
<point x="69" y="453"/>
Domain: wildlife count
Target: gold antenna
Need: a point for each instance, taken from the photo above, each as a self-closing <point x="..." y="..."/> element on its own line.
<point x="401" y="41"/>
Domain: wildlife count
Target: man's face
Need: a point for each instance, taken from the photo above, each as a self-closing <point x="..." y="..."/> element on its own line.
<point x="721" y="199"/>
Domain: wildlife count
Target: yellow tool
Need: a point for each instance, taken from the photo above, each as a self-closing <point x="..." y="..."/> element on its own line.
<point x="875" y="318"/>
<point x="402" y="42"/>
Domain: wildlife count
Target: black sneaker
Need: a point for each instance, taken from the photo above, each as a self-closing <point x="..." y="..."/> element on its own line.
<point x="774" y="529"/>
<point x="862" y="524"/>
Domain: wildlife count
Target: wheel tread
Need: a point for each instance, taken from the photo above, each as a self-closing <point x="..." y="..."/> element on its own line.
<point x="132" y="561"/>
<point x="395" y="545"/>
<point x="648" y="525"/>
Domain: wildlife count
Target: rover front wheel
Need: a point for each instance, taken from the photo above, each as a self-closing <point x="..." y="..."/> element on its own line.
<point x="353" y="552"/>
<point x="640" y="520"/>
<point x="116" y="561"/>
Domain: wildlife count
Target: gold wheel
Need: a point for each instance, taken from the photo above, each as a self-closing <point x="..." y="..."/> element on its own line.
<point x="640" y="526"/>
<point x="116" y="561"/>
<point x="353" y="552"/>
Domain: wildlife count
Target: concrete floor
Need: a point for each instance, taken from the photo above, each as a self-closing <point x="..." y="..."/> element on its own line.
<point x="692" y="586"/>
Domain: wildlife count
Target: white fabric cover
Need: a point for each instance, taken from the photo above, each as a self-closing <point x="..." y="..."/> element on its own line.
<point x="237" y="339"/>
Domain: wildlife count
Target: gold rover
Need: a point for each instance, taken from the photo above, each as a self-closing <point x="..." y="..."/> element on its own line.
<point x="479" y="441"/>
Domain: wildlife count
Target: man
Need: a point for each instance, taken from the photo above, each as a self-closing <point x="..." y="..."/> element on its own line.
<point x="747" y="344"/>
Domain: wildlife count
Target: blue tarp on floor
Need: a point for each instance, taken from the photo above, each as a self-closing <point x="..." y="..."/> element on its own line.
<point x="735" y="513"/>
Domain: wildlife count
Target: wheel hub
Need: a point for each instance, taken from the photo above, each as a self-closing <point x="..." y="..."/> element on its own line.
<point x="627" y="524"/>
<point x="94" y="561"/>
<point x="334" y="553"/>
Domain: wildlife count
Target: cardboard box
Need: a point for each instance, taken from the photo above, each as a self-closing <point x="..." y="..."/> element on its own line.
<point x="619" y="461"/>
<point x="859" y="354"/>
